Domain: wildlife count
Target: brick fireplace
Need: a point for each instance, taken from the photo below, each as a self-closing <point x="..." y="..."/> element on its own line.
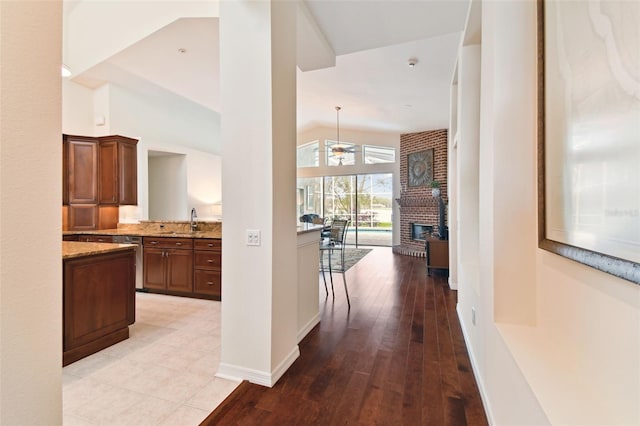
<point x="418" y="208"/>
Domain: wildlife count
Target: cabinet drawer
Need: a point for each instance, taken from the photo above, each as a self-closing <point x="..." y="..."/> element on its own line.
<point x="208" y="259"/>
<point x="174" y="243"/>
<point x="207" y="244"/>
<point x="207" y="282"/>
<point x="96" y="238"/>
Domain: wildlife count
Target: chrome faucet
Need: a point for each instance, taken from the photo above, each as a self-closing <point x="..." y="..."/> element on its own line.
<point x="194" y="218"/>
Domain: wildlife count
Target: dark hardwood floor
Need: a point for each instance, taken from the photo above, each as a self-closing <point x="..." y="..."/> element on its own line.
<point x="397" y="358"/>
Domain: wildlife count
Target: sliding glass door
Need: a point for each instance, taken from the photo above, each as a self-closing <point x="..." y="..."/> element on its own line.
<point x="366" y="200"/>
<point x="373" y="207"/>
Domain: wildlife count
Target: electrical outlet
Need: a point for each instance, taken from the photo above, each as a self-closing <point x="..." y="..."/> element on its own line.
<point x="253" y="237"/>
<point x="473" y="316"/>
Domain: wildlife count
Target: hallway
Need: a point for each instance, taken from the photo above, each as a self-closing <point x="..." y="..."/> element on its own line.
<point x="398" y="357"/>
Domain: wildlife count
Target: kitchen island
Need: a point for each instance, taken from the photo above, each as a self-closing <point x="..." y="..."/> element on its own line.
<point x="98" y="296"/>
<point x="308" y="279"/>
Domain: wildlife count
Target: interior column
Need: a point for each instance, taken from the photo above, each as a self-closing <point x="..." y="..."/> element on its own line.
<point x="258" y="128"/>
<point x="30" y="215"/>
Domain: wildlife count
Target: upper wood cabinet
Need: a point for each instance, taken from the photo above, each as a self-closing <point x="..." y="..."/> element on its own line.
<point x="118" y="171"/>
<point x="98" y="174"/>
<point x="82" y="169"/>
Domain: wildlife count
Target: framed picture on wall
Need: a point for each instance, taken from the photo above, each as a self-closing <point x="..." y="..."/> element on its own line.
<point x="420" y="168"/>
<point x="589" y="134"/>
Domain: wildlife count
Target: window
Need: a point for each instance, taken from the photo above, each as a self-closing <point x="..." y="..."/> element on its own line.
<point x="308" y="155"/>
<point x="340" y="154"/>
<point x="378" y="154"/>
<point x="309" y="196"/>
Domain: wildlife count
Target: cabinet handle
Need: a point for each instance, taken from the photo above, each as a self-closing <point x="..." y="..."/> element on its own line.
<point x="178" y="244"/>
<point x="209" y="282"/>
<point x="210" y="244"/>
<point x="209" y="260"/>
<point x="154" y="242"/>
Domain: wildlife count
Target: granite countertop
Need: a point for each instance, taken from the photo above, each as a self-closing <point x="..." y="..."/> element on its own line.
<point x="71" y="249"/>
<point x="214" y="233"/>
<point x="308" y="227"/>
<point x="148" y="233"/>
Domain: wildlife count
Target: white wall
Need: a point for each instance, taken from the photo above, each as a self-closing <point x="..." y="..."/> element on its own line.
<point x="259" y="314"/>
<point x="167" y="187"/>
<point x="555" y="342"/>
<point x="30" y="216"/>
<point x="170" y="124"/>
<point x="77" y="109"/>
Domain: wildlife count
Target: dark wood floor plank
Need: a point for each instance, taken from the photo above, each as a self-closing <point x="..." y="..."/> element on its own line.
<point x="397" y="357"/>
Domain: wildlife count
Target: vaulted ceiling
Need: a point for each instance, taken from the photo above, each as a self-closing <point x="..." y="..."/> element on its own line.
<point x="372" y="81"/>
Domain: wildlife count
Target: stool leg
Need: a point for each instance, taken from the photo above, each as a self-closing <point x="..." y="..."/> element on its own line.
<point x="331" y="276"/>
<point x="344" y="280"/>
<point x="324" y="278"/>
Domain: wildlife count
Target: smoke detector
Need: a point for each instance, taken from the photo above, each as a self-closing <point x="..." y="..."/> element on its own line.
<point x="412" y="62"/>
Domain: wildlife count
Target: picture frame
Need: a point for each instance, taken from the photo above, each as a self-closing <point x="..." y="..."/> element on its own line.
<point x="588" y="135"/>
<point x="420" y="168"/>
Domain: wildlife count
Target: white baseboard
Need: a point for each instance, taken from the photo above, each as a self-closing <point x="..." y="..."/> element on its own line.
<point x="236" y="373"/>
<point x="475" y="368"/>
<point x="453" y="285"/>
<point x="308" y="327"/>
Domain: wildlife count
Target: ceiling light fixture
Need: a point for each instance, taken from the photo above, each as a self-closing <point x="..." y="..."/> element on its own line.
<point x="412" y="62"/>
<point x="338" y="150"/>
<point x="65" y="71"/>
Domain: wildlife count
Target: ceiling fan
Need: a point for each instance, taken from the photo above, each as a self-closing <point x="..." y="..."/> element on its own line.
<point x="337" y="149"/>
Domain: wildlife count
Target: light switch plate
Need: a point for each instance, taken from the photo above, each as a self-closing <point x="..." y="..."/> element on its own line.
<point x="253" y="237"/>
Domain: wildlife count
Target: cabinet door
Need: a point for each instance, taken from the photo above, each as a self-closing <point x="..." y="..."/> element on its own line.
<point x="128" y="173"/>
<point x="83" y="171"/>
<point x="155" y="268"/>
<point x="180" y="270"/>
<point x="118" y="170"/>
<point x="65" y="171"/>
<point x="83" y="217"/>
<point x="108" y="172"/>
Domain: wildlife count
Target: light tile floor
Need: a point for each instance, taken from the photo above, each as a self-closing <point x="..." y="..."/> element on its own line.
<point x="162" y="375"/>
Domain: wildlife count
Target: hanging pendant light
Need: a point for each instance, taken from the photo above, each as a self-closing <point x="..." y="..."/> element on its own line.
<point x="338" y="150"/>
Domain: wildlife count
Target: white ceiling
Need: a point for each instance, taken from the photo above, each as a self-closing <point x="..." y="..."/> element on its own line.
<point x="371" y="79"/>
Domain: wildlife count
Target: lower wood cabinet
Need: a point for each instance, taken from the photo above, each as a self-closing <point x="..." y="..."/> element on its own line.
<point x="208" y="267"/>
<point x="168" y="264"/>
<point x="183" y="266"/>
<point x="99" y="302"/>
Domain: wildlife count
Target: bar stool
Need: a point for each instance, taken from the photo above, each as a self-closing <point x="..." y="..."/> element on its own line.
<point x="335" y="242"/>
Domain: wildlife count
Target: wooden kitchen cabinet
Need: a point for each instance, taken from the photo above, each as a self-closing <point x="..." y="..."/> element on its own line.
<point x="168" y="264"/>
<point x="98" y="302"/>
<point x="118" y="183"/>
<point x="208" y="267"/>
<point x="82" y="217"/>
<point x="82" y="169"/>
<point x="98" y="175"/>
